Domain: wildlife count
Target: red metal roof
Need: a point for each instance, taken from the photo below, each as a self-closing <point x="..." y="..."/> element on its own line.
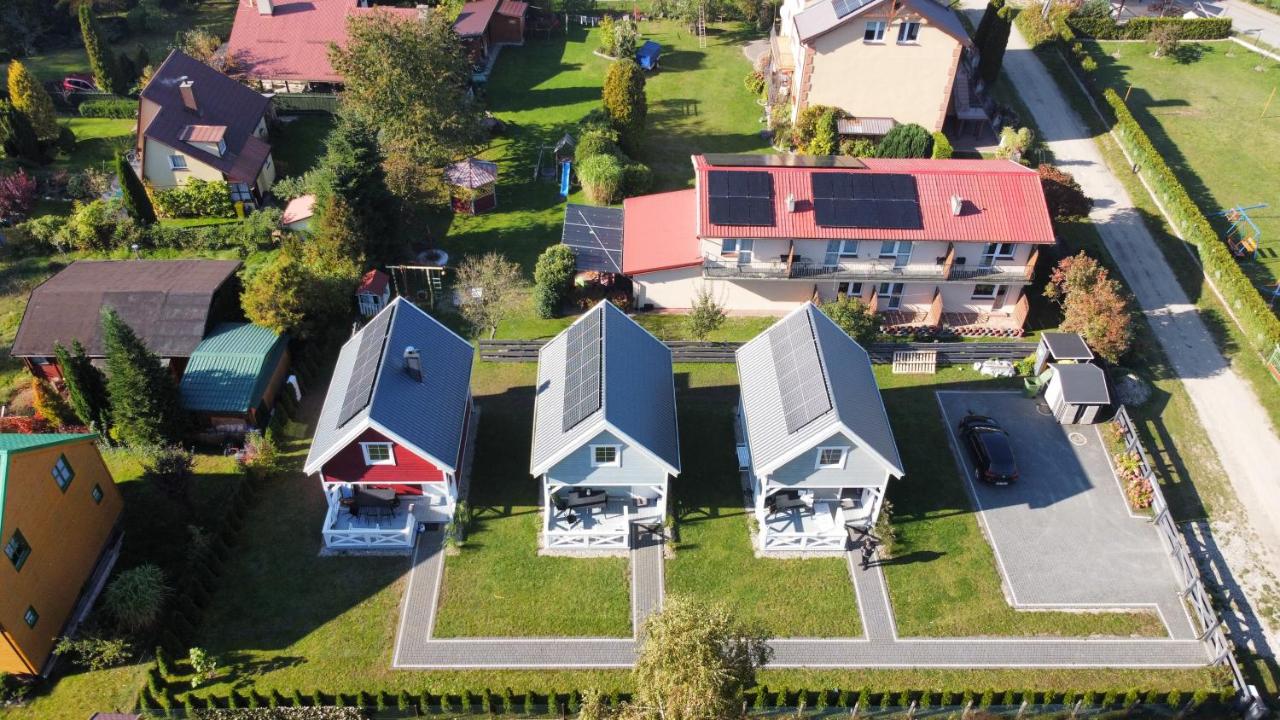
<point x="660" y="232"/>
<point x="292" y="43"/>
<point x="203" y="133"/>
<point x="513" y="8"/>
<point x="474" y="18"/>
<point x="373" y="282"/>
<point x="1003" y="202"/>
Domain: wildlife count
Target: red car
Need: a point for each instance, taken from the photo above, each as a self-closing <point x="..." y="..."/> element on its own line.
<point x="79" y="82"/>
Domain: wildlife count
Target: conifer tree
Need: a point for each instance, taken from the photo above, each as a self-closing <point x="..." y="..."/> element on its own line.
<point x="16" y="134"/>
<point x="352" y="169"/>
<point x="624" y="101"/>
<point x="86" y="386"/>
<point x="136" y="200"/>
<point x="31" y="99"/>
<point x="106" y="68"/>
<point x="50" y="405"/>
<point x="144" y="398"/>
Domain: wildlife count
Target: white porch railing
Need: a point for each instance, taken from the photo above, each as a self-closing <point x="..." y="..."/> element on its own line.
<point x="361" y="533"/>
<point x="609" y="534"/>
<point x="802" y="542"/>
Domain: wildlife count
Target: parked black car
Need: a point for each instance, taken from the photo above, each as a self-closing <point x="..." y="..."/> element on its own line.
<point x="989" y="449"/>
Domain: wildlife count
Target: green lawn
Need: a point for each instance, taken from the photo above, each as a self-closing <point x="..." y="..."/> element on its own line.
<point x="1202" y="108"/>
<point x="98" y="141"/>
<point x="298" y="144"/>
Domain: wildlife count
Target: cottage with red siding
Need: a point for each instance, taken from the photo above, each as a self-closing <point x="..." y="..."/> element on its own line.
<point x="392" y="440"/>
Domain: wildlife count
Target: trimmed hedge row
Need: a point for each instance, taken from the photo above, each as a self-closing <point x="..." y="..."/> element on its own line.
<point x="157" y="696"/>
<point x="1258" y="322"/>
<point x="1105" y="28"/>
<point x="120" y="109"/>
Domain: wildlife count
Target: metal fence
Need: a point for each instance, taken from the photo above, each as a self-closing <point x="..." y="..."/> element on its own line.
<point x="302" y="103"/>
<point x="695" y="351"/>
<point x="1210" y="624"/>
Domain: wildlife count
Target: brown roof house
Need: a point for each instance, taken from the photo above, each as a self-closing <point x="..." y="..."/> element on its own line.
<point x="195" y="122"/>
<point x="171" y="304"/>
<point x="883" y="62"/>
<point x="483" y="25"/>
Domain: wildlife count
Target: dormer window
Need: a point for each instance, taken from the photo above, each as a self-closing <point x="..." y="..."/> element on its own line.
<point x="222" y="148"/>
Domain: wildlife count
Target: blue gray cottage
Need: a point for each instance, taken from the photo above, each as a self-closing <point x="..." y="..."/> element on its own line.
<point x="813" y="435"/>
<point x="604" y="432"/>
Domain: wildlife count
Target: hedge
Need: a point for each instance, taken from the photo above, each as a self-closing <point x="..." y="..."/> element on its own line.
<point x="1105" y="28"/>
<point x="121" y="109"/>
<point x="1258" y="322"/>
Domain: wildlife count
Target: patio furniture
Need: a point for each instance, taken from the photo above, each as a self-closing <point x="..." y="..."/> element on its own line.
<point x="791" y="500"/>
<point x="374" y="502"/>
<point x="585" y="500"/>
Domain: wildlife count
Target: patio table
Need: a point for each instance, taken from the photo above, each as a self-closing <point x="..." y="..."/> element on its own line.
<point x="585" y="499"/>
<point x="792" y="500"/>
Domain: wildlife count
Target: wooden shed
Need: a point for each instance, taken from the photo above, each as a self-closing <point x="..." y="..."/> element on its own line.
<point x="1061" y="347"/>
<point x="1076" y="393"/>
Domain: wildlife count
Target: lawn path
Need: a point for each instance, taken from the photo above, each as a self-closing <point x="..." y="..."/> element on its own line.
<point x="1224" y="402"/>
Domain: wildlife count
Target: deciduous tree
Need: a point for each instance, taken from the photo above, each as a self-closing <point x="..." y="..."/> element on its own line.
<point x="105" y="66"/>
<point x="1093" y="304"/>
<point x="855" y="318"/>
<point x="696" y="661"/>
<point x="86" y="386"/>
<point x="135" y="197"/>
<point x="624" y="101"/>
<point x="144" y="398"/>
<point x="30" y="98"/>
<point x="706" y="315"/>
<point x="488" y="285"/>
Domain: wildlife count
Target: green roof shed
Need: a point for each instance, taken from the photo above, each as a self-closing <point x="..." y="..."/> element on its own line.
<point x="231" y="368"/>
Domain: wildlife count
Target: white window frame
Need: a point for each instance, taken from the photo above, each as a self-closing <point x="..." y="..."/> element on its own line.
<point x="874" y="28"/>
<point x="742" y="248"/>
<point x="178" y="162"/>
<point x="909" y="28"/>
<point x="391" y="453"/>
<point x="845" y="252"/>
<point x="995" y="289"/>
<point x="839" y="465"/>
<point x="996" y="250"/>
<point x="617" y="456"/>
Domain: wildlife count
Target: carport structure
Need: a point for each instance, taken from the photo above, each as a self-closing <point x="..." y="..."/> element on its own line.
<point x="1063" y="535"/>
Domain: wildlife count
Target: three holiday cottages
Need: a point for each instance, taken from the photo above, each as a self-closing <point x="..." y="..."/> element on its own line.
<point x="187" y="312"/>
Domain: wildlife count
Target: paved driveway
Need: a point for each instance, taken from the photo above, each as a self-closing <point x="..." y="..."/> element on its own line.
<point x="1063" y="535"/>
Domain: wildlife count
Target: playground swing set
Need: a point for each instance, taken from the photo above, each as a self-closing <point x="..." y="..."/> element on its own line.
<point x="1243" y="236"/>
<point x="556" y="164"/>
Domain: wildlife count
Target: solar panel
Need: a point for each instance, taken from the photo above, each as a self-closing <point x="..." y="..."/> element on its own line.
<point x="740" y="198"/>
<point x="595" y="235"/>
<point x="782" y="160"/>
<point x="844" y="7"/>
<point x="365" y="371"/>
<point x="583" y="357"/>
<point x="802" y="381"/>
<point x="889" y="201"/>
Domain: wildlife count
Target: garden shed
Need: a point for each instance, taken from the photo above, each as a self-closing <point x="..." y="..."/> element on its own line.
<point x="373" y="293"/>
<point x="1077" y="392"/>
<point x="475" y="185"/>
<point x="1055" y="347"/>
<point x="232" y="379"/>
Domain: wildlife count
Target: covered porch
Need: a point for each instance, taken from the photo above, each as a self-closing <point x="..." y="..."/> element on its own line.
<point x="598" y="518"/>
<point x="814" y="519"/>
<point x="367" y="517"/>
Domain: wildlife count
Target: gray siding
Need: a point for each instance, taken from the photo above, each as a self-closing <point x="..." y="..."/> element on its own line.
<point x="637" y="468"/>
<point x="860" y="469"/>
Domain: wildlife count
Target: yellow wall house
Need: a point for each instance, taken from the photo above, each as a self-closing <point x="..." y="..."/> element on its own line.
<point x="883" y="62"/>
<point x="59" y="528"/>
<point x="195" y="122"/>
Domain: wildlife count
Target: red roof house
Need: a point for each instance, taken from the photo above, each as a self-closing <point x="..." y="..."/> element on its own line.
<point x="373" y="293"/>
<point x="925" y="240"/>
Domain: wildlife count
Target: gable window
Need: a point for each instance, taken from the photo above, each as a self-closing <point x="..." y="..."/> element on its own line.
<point x="378" y="453"/>
<point x="830" y="457"/>
<point x="62" y="473"/>
<point x="874" y="31"/>
<point x="908" y="32"/>
<point x="984" y="292"/>
<point x="96" y="493"/>
<point x="30" y="617"/>
<point x="741" y="248"/>
<point x="177" y="162"/>
<point x="17" y="550"/>
<point x="605" y="456"/>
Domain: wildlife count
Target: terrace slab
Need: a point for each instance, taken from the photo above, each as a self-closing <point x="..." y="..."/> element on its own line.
<point x="1063" y="534"/>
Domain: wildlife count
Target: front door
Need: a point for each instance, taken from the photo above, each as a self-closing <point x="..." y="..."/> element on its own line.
<point x="1001" y="292"/>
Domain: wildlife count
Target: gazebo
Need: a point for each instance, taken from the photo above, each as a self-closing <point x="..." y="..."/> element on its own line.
<point x="476" y="185"/>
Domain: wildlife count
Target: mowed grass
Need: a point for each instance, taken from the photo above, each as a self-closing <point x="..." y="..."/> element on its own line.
<point x="943" y="580"/>
<point x="1203" y="110"/>
<point x="98" y="141"/>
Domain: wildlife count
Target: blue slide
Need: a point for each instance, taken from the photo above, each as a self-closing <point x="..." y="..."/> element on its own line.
<point x="564" y="178"/>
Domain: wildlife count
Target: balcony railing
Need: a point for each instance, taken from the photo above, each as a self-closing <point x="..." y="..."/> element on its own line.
<point x="887" y="270"/>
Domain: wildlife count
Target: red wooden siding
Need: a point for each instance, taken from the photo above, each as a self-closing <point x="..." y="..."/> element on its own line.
<point x="348" y="465"/>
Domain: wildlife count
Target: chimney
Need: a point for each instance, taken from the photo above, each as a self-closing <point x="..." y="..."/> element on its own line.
<point x="187" y="88"/>
<point x="266" y="7"/>
<point x="791" y="202"/>
<point x="413" y="363"/>
<point x="957" y="204"/>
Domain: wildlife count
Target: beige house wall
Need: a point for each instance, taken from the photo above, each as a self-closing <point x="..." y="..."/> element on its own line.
<point x="909" y="82"/>
<point x="156" y="168"/>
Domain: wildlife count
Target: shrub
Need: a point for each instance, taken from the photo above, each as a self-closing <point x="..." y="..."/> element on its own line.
<point x="50" y="405"/>
<point x="1013" y="143"/>
<point x="593" y="142"/>
<point x="608" y="40"/>
<point x="906" y="141"/>
<point x="553" y="276"/>
<point x="826" y="134"/>
<point x="1165" y="38"/>
<point x="94" y="652"/>
<point x="706" y="314"/>
<point x="196" y="198"/>
<point x="17" y="195"/>
<point x="637" y="178"/>
<point x="119" y="109"/>
<point x="755" y="82"/>
<point x="855" y="318"/>
<point x="203" y="666"/>
<point x="942" y="149"/>
<point x="602" y="178"/>
<point x="1092" y="305"/>
<point x="625" y="103"/>
<point x="1062" y="193"/>
<point x="807" y="124"/>
<point x="90" y="184"/>
<point x="135" y="597"/>
<point x="858" y="147"/>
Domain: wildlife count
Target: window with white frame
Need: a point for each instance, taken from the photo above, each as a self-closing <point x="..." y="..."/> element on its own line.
<point x="1001" y="251"/>
<point x="848" y="249"/>
<point x="830" y="457"/>
<point x="62" y="473"/>
<point x="741" y="248"/>
<point x="908" y="32"/>
<point x="378" y="453"/>
<point x="605" y="456"/>
<point x="874" y="31"/>
<point x="984" y="292"/>
<point x="177" y="162"/>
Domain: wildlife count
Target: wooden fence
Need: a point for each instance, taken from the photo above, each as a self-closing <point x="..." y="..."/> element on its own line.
<point x="958" y="353"/>
<point x="1209" y="623"/>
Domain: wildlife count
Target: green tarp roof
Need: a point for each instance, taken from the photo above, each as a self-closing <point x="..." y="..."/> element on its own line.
<point x="230" y="369"/>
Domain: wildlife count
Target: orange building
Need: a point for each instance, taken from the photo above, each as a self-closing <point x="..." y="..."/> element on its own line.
<point x="59" y="530"/>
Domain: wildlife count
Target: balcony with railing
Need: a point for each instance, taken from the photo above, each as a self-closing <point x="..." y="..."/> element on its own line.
<point x="792" y="266"/>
